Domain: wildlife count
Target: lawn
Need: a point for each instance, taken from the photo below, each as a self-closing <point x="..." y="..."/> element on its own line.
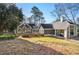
<point x="39" y="46"/>
<point x="59" y="45"/>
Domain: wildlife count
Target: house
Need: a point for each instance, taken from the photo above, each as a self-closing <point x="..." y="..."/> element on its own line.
<point x="65" y="28"/>
<point x="25" y="28"/>
<point x="62" y="28"/>
<point x="46" y="29"/>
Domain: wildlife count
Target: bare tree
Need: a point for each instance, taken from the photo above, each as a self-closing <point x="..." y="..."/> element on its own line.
<point x="77" y="20"/>
<point x="69" y="10"/>
<point x="29" y="20"/>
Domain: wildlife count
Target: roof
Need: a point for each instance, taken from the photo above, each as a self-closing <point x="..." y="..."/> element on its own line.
<point x="47" y="25"/>
<point x="61" y="25"/>
<point x="32" y="25"/>
<point x="70" y="22"/>
<point x="27" y="25"/>
<point x="64" y="20"/>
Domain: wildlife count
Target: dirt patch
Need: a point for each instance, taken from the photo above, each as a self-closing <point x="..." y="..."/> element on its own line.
<point x="21" y="47"/>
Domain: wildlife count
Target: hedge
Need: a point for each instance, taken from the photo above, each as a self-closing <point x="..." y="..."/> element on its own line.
<point x="6" y="36"/>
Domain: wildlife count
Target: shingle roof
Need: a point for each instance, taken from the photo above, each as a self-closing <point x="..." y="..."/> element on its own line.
<point x="61" y="25"/>
<point x="70" y="22"/>
<point x="32" y="25"/>
<point x="47" y="25"/>
<point x="27" y="25"/>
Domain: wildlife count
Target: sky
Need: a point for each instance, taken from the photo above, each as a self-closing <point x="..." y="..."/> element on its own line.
<point x="46" y="8"/>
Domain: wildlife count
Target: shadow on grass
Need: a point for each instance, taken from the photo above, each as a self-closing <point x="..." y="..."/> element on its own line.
<point x="57" y="37"/>
<point x="39" y="49"/>
<point x="75" y="38"/>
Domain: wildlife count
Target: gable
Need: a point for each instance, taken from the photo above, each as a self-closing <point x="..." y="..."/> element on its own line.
<point x="61" y="25"/>
<point x="41" y="28"/>
<point x="23" y="28"/>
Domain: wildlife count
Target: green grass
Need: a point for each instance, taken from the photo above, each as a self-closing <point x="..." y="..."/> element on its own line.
<point x="6" y="36"/>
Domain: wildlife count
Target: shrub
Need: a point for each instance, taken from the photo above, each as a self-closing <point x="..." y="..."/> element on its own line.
<point x="26" y="35"/>
<point x="29" y="35"/>
<point x="37" y="35"/>
<point x="18" y="34"/>
<point x="6" y="36"/>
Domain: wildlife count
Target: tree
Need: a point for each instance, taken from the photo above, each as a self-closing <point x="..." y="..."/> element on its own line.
<point x="77" y="20"/>
<point x="3" y="11"/>
<point x="29" y="19"/>
<point x="10" y="17"/>
<point x="37" y="15"/>
<point x="42" y="21"/>
<point x="15" y="17"/>
<point x="68" y="10"/>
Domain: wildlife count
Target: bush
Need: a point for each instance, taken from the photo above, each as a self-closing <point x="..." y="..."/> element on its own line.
<point x="37" y="35"/>
<point x="29" y="35"/>
<point x="17" y="35"/>
<point x="6" y="36"/>
<point x="26" y="35"/>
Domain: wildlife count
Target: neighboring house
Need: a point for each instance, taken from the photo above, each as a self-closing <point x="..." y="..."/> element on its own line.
<point x="46" y="29"/>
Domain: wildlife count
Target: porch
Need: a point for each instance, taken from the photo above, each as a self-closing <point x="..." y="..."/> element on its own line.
<point x="70" y="32"/>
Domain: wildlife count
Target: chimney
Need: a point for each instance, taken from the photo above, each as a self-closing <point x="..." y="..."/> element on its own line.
<point x="61" y="18"/>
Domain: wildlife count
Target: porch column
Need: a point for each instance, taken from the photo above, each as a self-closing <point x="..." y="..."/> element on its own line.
<point x="55" y="32"/>
<point x="74" y="30"/>
<point x="69" y="32"/>
<point x="65" y="33"/>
